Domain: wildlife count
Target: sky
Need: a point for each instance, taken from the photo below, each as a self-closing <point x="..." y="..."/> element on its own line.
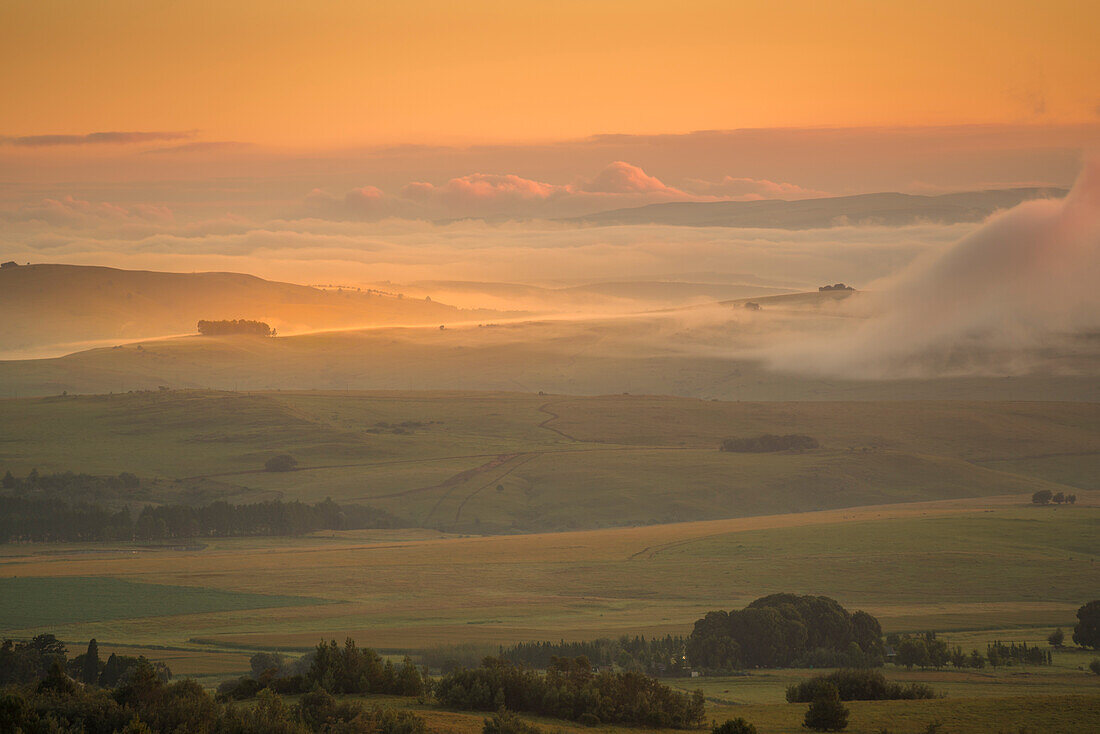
<point x="146" y="133"/>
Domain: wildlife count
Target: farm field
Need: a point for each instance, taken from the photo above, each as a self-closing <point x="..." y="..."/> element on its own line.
<point x="956" y="565"/>
<point x="511" y="462"/>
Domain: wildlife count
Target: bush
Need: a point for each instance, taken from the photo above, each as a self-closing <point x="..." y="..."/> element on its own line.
<point x="857" y="685"/>
<point x="1094" y="666"/>
<point x="826" y="713"/>
<point x="282" y="462"/>
<point x="506" y="722"/>
<point x="734" y="726"/>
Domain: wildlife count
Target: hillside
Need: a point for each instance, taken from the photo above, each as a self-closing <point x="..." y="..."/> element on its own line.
<point x="701" y="353"/>
<point x="44" y="305"/>
<point x="508" y="462"/>
<point x="884" y="209"/>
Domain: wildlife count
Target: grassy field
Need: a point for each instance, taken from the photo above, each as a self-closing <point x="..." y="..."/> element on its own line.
<point x="508" y="462"/>
<point x="956" y="565"/>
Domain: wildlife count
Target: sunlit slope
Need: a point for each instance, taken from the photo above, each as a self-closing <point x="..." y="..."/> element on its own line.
<point x="696" y="354"/>
<point x="506" y="462"/>
<point x="52" y="304"/>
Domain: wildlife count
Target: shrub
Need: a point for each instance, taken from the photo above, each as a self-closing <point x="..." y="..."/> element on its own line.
<point x="768" y="442"/>
<point x="826" y="713"/>
<point x="734" y="726"/>
<point x="1094" y="666"/>
<point x="282" y="462"/>
<point x="506" y="722"/>
<point x="857" y="685"/>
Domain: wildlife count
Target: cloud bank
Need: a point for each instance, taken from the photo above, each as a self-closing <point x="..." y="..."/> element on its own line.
<point x="1021" y="286"/>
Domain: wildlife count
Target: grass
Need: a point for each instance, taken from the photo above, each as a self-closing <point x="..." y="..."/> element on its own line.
<point x="47" y="603"/>
<point x="974" y="564"/>
<point x="507" y="462"/>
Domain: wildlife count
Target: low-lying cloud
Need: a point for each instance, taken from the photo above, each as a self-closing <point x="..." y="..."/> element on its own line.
<point x="1021" y="287"/>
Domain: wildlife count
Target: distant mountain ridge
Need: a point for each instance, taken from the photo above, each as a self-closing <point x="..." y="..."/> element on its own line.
<point x="883" y="209"/>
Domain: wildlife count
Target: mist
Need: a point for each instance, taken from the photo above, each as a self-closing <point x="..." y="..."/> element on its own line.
<point x="1005" y="299"/>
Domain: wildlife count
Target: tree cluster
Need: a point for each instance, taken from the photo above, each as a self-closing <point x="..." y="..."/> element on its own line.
<point x="1046" y="497"/>
<point x="661" y="656"/>
<point x="31" y="661"/>
<point x="857" y="685"/>
<point x="785" y="630"/>
<point x="570" y="689"/>
<point x="145" y="704"/>
<point x="926" y="651"/>
<point x="336" y="670"/>
<point x="54" y="520"/>
<point x="235" y="326"/>
<point x="768" y="443"/>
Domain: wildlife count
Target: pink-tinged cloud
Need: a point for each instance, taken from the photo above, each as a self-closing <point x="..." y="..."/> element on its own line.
<point x="623" y="178"/>
<point x="102" y="138"/>
<point x="731" y="187"/>
<point x="70" y="211"/>
<point x="481" y="187"/>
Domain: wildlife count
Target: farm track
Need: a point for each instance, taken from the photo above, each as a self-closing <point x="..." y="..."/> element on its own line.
<point x="525" y="459"/>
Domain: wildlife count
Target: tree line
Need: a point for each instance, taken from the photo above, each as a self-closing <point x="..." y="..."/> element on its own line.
<point x="661" y="656"/>
<point x="785" y="630"/>
<point x="25" y="519"/>
<point x="768" y="442"/>
<point x="1046" y="497"/>
<point x="43" y="690"/>
<point x="235" y="326"/>
<point x="927" y="651"/>
<point x="329" y="667"/>
<point x="571" y="689"/>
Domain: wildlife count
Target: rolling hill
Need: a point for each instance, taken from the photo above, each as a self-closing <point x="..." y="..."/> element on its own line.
<point x="48" y="304"/>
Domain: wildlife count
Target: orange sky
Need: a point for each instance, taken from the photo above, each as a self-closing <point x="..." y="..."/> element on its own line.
<point x="350" y="72"/>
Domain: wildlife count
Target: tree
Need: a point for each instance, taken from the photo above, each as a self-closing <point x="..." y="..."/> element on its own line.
<point x="1042" y="497"/>
<point x="734" y="726"/>
<point x="1094" y="666"/>
<point x="912" y="651"/>
<point x="282" y="462"/>
<point x="90" y="670"/>
<point x="826" y="713"/>
<point x="1087" y="631"/>
<point x="1056" y="638"/>
<point x="1058" y="498"/>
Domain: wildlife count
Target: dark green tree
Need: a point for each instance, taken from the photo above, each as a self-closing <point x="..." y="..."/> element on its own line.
<point x="89" y="672"/>
<point x="1042" y="497"/>
<point x="1056" y="638"/>
<point x="826" y="713"/>
<point x="1087" y="631"/>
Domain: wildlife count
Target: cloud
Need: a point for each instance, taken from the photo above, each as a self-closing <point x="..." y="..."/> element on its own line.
<point x="746" y="189"/>
<point x="203" y="146"/>
<point x="101" y="138"/>
<point x="68" y="211"/>
<point x="479" y="187"/>
<point x="992" y="303"/>
<point x="364" y="202"/>
<point x="623" y="178"/>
